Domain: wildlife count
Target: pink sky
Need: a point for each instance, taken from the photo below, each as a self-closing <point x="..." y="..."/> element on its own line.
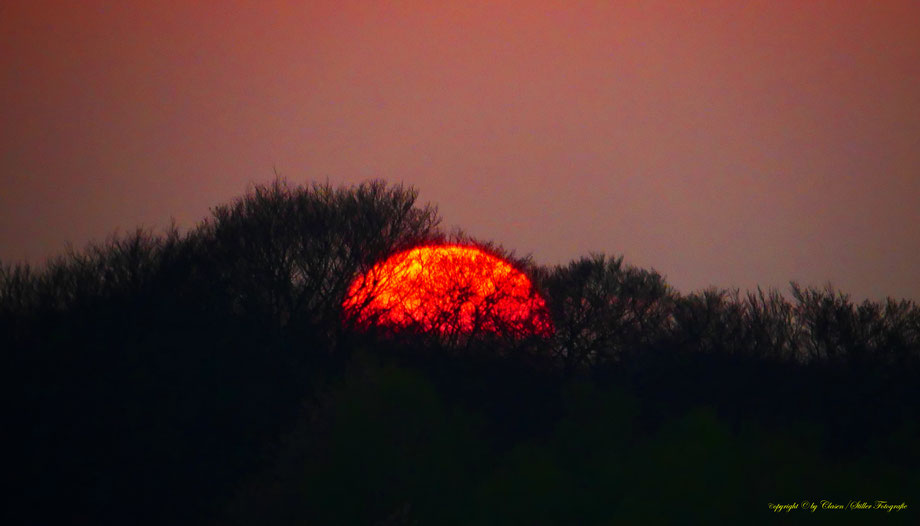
<point x="722" y="143"/>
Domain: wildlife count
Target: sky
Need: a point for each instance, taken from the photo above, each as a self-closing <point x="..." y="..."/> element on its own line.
<point x="722" y="143"/>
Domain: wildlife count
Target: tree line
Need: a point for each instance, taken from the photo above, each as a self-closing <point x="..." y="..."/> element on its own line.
<point x="208" y="376"/>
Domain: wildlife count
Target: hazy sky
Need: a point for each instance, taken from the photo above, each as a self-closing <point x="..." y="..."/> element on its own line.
<point x="723" y="143"/>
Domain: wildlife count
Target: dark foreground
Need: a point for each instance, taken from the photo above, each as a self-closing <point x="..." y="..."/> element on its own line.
<point x="209" y="378"/>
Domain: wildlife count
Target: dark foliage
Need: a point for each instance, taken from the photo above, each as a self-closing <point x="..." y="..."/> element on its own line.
<point x="149" y="373"/>
<point x="207" y="377"/>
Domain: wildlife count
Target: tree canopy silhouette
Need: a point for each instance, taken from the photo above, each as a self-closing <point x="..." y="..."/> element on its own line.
<point x="207" y="377"/>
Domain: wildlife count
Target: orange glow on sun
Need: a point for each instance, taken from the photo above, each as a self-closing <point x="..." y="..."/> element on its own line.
<point x="450" y="289"/>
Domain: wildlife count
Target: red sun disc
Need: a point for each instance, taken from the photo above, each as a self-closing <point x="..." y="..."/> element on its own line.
<point x="448" y="288"/>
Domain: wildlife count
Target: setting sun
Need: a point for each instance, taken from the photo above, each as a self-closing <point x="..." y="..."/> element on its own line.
<point x="450" y="289"/>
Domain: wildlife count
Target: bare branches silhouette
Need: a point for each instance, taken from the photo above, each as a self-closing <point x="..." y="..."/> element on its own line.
<point x="220" y="376"/>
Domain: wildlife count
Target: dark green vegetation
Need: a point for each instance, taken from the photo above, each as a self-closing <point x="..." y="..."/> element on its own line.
<point x="207" y="378"/>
